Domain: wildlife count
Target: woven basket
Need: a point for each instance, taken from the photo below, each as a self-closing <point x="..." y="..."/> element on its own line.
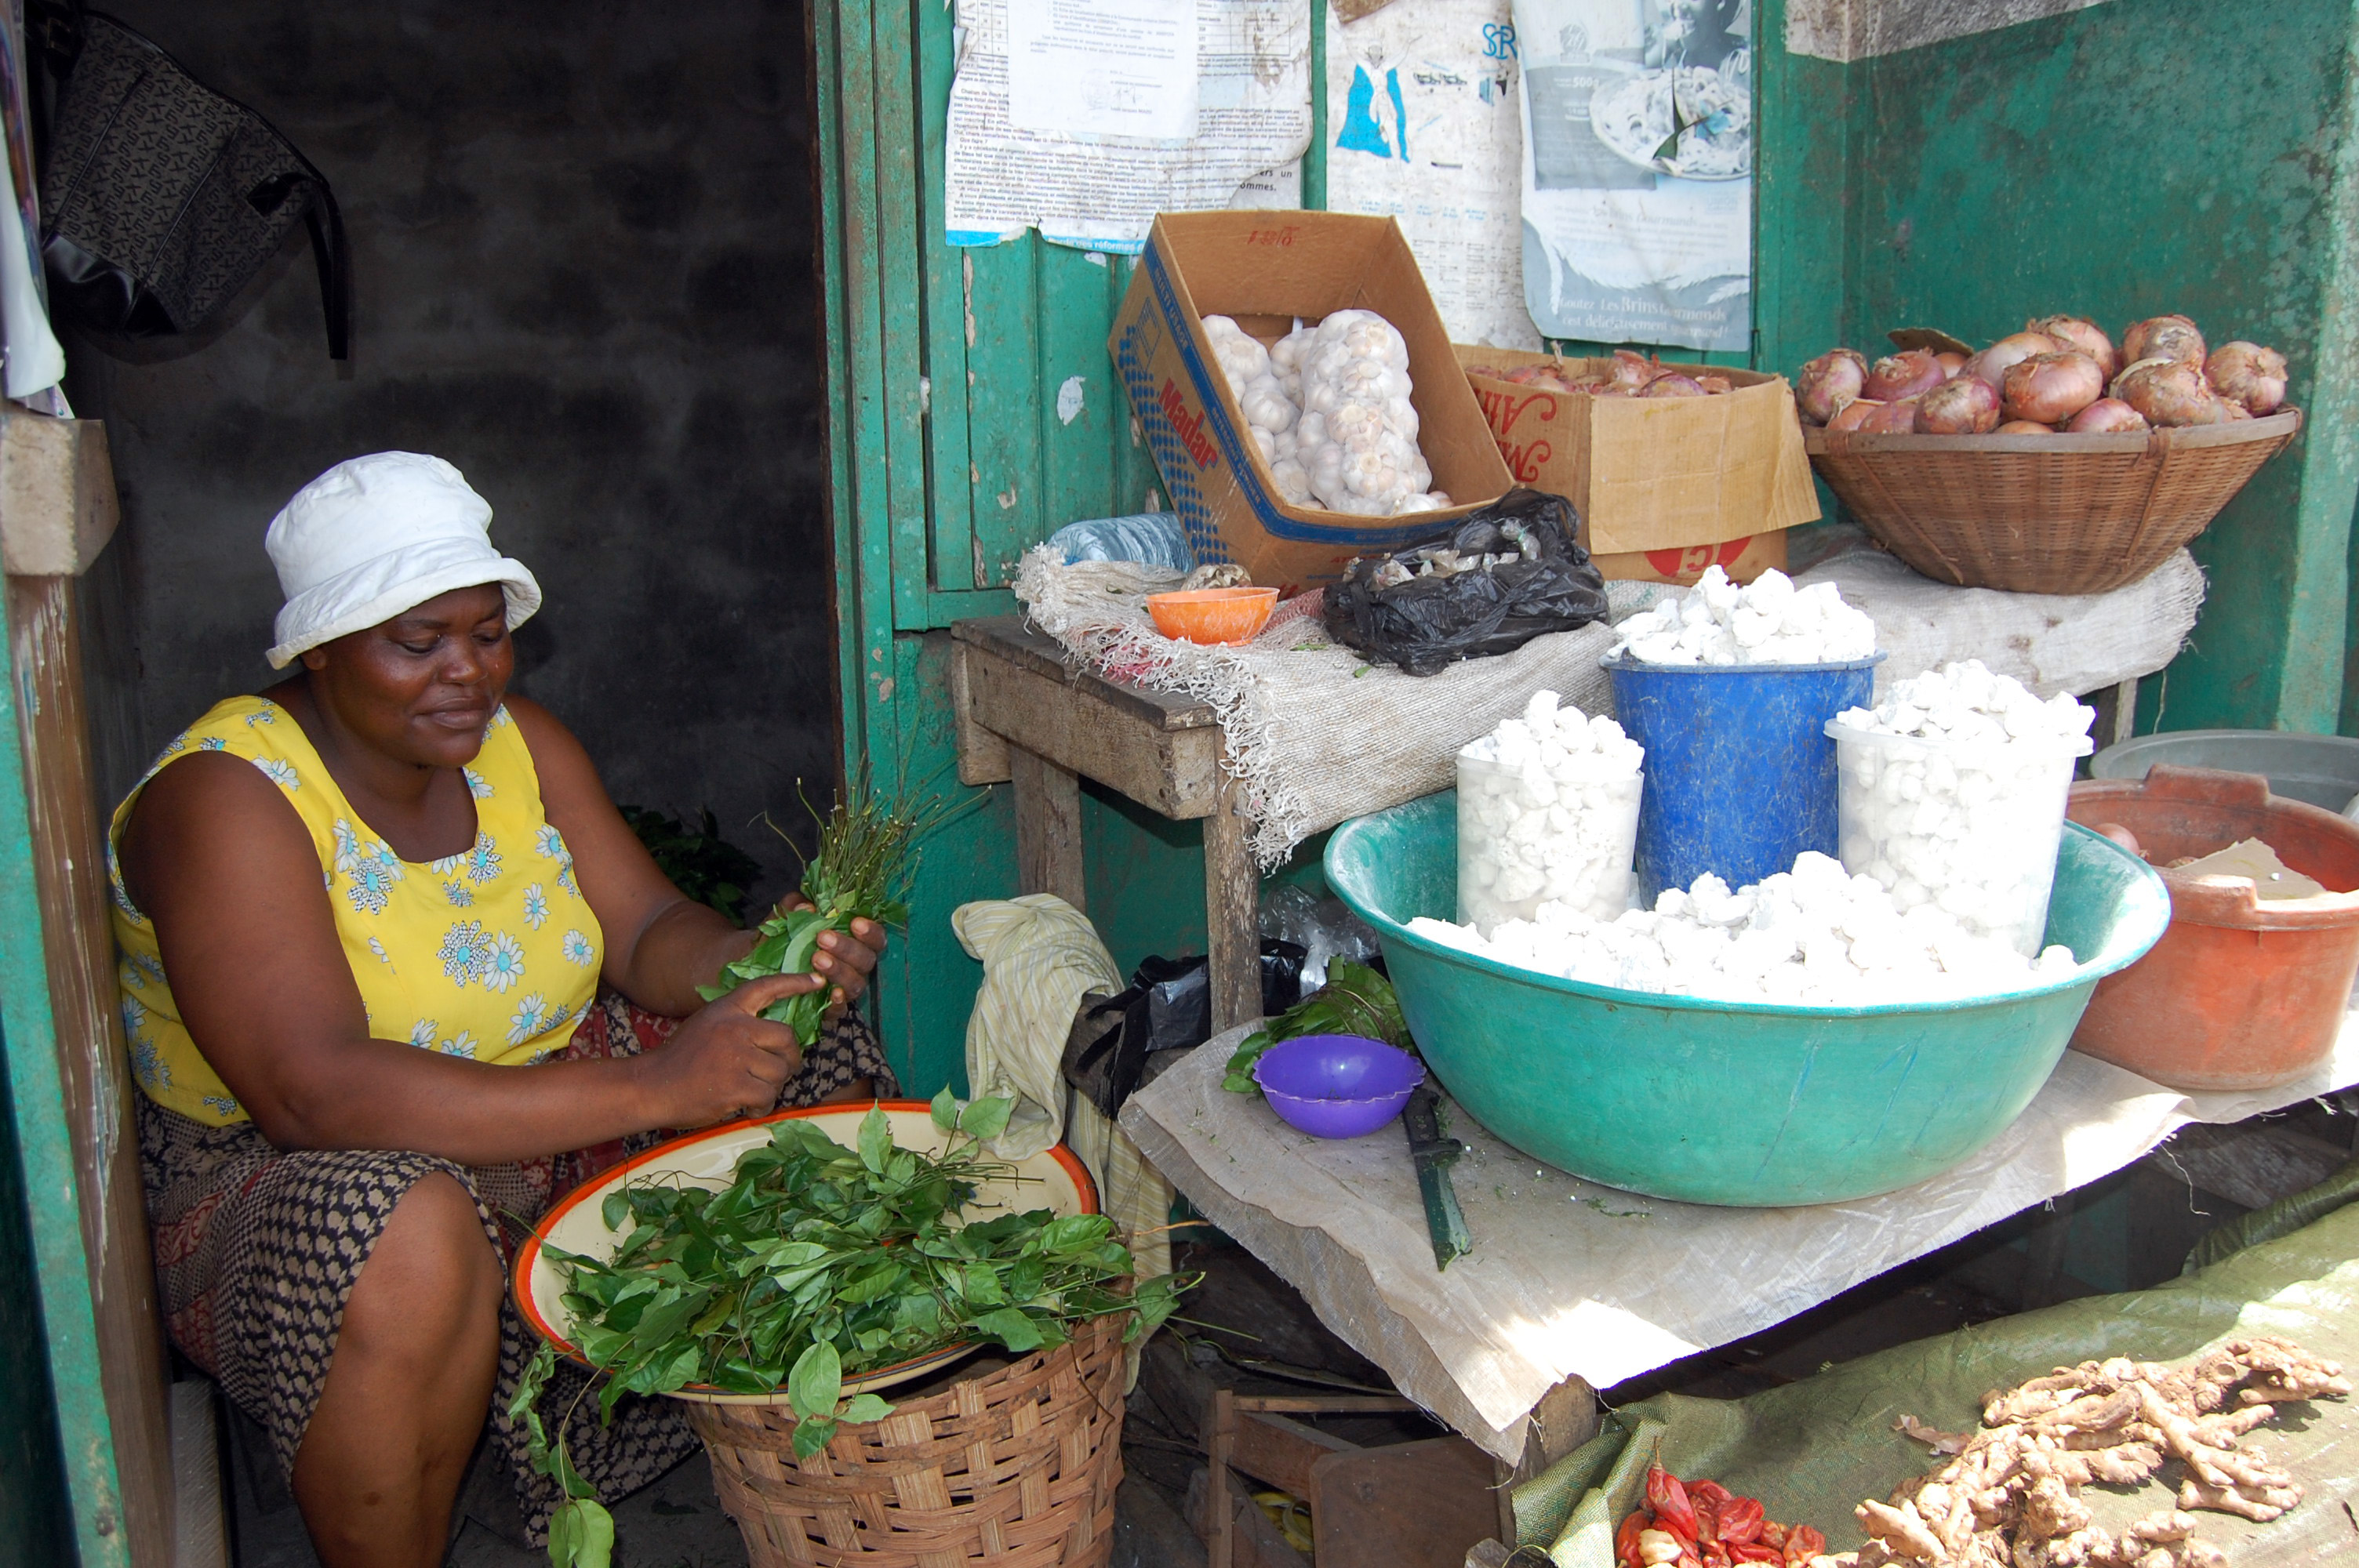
<point x="2043" y="513"/>
<point x="1015" y="1466"/>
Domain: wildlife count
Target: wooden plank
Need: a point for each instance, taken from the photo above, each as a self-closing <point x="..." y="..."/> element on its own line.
<point x="1327" y="1404"/>
<point x="900" y="263"/>
<point x="1048" y="829"/>
<point x="1169" y="772"/>
<point x="1231" y="906"/>
<point x="948" y="563"/>
<point x="982" y="757"/>
<point x="1280" y="1450"/>
<point x="62" y="1204"/>
<point x="1411" y="1505"/>
<point x="1004" y="402"/>
<point x="1007" y="637"/>
<point x="1077" y="452"/>
<point x="94" y="1064"/>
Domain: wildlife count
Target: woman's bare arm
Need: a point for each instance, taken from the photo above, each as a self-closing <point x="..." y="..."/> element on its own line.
<point x="661" y="945"/>
<point x="218" y="859"/>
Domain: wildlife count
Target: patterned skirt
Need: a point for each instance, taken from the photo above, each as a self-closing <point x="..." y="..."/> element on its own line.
<point x="258" y="1250"/>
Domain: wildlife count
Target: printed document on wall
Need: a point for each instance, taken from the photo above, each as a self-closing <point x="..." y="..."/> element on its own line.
<point x="1084" y="118"/>
<point x="1637" y="170"/>
<point x="1427" y="130"/>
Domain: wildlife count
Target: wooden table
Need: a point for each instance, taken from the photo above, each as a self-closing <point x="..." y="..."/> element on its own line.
<point x="1026" y="715"/>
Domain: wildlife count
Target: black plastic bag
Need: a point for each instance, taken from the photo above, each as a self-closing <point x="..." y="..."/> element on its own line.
<point x="1169" y="1006"/>
<point x="1385" y="608"/>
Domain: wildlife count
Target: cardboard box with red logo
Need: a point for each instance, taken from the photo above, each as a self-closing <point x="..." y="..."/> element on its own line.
<point x="1267" y="270"/>
<point x="1664" y="486"/>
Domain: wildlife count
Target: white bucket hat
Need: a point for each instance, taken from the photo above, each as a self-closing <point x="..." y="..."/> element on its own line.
<point x="375" y="535"/>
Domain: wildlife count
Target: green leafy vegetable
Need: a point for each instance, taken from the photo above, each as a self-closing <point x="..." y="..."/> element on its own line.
<point x="699" y="862"/>
<point x="819" y="1262"/>
<point x="1354" y="1000"/>
<point x="864" y="870"/>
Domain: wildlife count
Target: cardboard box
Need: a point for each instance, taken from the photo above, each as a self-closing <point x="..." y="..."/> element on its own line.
<point x="1656" y="478"/>
<point x="1742" y="559"/>
<point x="1264" y="269"/>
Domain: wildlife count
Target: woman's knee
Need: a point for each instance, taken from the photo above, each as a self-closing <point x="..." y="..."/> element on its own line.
<point x="432" y="1282"/>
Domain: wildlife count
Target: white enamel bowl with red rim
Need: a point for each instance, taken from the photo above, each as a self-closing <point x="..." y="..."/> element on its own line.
<point x="1054" y="1179"/>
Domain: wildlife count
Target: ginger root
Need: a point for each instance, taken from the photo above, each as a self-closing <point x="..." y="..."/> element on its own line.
<point x="2007" y="1497"/>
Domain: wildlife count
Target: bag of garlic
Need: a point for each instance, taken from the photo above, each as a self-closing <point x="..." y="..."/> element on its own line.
<point x="1329" y="406"/>
<point x="1504" y="575"/>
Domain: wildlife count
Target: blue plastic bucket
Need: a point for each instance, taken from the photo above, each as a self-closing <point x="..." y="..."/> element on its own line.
<point x="1740" y="773"/>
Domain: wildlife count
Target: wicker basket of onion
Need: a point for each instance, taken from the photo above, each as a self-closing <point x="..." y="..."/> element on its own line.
<point x="2051" y="461"/>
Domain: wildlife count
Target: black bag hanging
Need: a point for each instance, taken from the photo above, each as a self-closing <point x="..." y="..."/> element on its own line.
<point x="160" y="198"/>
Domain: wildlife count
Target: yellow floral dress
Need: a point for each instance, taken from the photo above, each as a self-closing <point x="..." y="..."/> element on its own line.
<point x="492" y="953"/>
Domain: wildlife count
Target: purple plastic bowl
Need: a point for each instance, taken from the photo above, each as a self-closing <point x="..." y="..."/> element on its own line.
<point x="1337" y="1085"/>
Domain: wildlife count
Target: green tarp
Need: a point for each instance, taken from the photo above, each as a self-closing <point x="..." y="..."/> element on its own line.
<point x="1813" y="1450"/>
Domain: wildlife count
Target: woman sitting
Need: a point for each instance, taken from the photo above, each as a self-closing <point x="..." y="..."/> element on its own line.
<point x="396" y="973"/>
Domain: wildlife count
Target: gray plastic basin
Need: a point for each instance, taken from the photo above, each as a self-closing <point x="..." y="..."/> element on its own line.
<point x="2322" y="770"/>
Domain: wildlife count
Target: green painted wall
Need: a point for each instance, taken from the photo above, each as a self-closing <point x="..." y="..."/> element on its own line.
<point x="2137" y="158"/>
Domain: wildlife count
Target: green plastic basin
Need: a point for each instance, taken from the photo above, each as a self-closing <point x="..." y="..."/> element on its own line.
<point x="1744" y="1104"/>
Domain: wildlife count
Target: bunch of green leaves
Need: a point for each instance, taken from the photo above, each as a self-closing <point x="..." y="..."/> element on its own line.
<point x="1354" y="1000"/>
<point x="863" y="870"/>
<point x="699" y="861"/>
<point x="819" y="1262"/>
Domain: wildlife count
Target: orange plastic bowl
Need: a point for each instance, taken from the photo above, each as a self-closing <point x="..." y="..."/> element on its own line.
<point x="1215" y="615"/>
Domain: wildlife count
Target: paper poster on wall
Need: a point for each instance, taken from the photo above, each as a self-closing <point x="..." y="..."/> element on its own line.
<point x="1426" y="129"/>
<point x="1063" y="112"/>
<point x="1637" y="170"/>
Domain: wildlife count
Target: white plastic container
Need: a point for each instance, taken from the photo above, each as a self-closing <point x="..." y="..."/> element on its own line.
<point x="1526" y="838"/>
<point x="1970" y="826"/>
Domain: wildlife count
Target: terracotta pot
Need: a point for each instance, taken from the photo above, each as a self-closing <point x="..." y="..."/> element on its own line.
<point x="2241" y="993"/>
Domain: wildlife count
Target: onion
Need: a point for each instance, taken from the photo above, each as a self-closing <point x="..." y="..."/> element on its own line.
<point x="1962" y="406"/>
<point x="1951" y="364"/>
<point x="2052" y="388"/>
<point x="2171" y="393"/>
<point x="1903" y="374"/>
<point x="1827" y="382"/>
<point x="1993" y="363"/>
<point x="1713" y="385"/>
<point x="2074" y="332"/>
<point x="2163" y="338"/>
<point x="2024" y="427"/>
<point x="1635" y="371"/>
<point x="2248" y="375"/>
<point x="2106" y="416"/>
<point x="1892" y="419"/>
<point x="1671" y="383"/>
<point x="1852" y="415"/>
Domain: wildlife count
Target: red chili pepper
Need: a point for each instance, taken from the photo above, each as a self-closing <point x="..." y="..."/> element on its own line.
<point x="1700" y="1490"/>
<point x="1625" y="1540"/>
<point x="1669" y="1500"/>
<point x="1753" y="1551"/>
<point x="1802" y="1543"/>
<point x="1773" y="1534"/>
<point x="1715" y="1554"/>
<point x="1740" y="1520"/>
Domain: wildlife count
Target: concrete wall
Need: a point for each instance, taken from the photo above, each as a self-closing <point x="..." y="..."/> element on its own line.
<point x="582" y="238"/>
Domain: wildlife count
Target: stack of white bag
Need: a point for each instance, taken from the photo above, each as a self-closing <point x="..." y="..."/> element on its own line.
<point x="1548" y="810"/>
<point x="1767" y="622"/>
<point x="1813" y="936"/>
<point x="1954" y="792"/>
<point x="1330" y="409"/>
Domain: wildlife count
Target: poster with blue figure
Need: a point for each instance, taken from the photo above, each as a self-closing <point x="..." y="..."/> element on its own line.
<point x="1424" y="128"/>
<point x="1637" y="170"/>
